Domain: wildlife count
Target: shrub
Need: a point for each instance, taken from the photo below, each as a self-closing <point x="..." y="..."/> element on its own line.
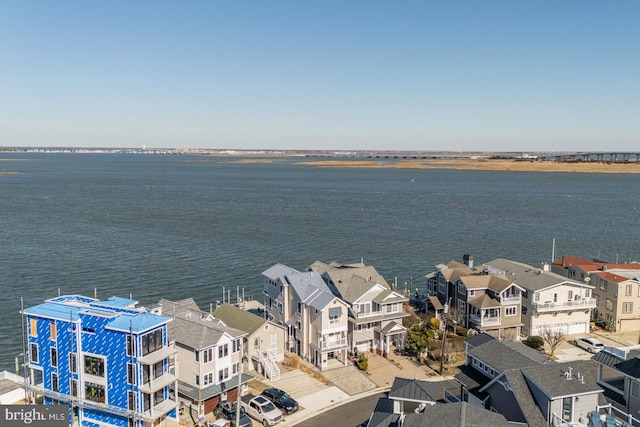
<point x="363" y="362"/>
<point x="534" y="341"/>
<point x="434" y="323"/>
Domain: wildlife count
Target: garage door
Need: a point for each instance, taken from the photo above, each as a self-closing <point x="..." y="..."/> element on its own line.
<point x="362" y="347"/>
<point x="579" y="328"/>
<point x="567" y="328"/>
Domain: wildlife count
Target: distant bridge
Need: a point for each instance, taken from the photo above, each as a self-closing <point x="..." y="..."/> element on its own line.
<point x="599" y="156"/>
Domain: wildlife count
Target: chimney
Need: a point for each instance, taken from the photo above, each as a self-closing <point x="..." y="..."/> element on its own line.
<point x="468" y="260"/>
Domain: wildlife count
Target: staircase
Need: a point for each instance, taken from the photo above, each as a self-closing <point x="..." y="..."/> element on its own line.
<point x="268" y="362"/>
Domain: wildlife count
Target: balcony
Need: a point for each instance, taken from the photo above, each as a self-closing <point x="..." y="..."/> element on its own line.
<point x="157" y="383"/>
<point x="159" y="410"/>
<point x="514" y="299"/>
<point x="582" y="304"/>
<point x="485" y="321"/>
<point x="332" y="344"/>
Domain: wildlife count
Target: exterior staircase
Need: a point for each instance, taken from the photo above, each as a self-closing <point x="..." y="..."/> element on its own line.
<point x="268" y="362"/>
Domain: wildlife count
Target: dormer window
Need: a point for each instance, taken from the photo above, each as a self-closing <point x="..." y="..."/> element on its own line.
<point x="472" y="293"/>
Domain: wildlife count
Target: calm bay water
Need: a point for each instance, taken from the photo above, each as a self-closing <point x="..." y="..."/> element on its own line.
<point x="183" y="226"/>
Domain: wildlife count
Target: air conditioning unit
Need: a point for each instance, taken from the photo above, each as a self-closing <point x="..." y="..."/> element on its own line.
<point x="223" y="396"/>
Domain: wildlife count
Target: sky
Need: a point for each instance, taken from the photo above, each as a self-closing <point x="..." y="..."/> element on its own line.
<point x="480" y="75"/>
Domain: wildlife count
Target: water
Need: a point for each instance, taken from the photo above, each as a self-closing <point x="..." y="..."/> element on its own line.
<point x="155" y="226"/>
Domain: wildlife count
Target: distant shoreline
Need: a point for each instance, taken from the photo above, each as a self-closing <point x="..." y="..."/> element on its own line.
<point x="504" y="165"/>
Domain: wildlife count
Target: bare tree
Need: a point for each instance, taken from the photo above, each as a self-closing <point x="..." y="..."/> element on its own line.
<point x="553" y="337"/>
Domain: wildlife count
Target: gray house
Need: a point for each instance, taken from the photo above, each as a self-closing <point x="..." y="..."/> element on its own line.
<point x="527" y="387"/>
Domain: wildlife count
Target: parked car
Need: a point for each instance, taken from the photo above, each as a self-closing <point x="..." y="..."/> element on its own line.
<point x="227" y="411"/>
<point x="261" y="409"/>
<point x="592" y="345"/>
<point x="281" y="399"/>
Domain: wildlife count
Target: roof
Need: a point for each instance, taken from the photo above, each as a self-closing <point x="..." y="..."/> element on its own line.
<point x="351" y="280"/>
<point x="523" y="396"/>
<point x="121" y="312"/>
<point x="504" y="355"/>
<point x="193" y="328"/>
<point x="479" y="339"/>
<point x="414" y="390"/>
<point x="630" y="367"/>
<point x="383" y="415"/>
<point x="277" y="271"/>
<point x="484" y="301"/>
<point x="528" y="277"/>
<point x="239" y="319"/>
<point x="459" y="414"/>
<point x="562" y="379"/>
<point x="194" y="393"/>
<point x="496" y="282"/>
<point x="437" y="305"/>
<point x="473" y="381"/>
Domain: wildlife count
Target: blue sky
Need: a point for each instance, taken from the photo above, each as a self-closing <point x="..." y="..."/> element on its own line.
<point x="332" y="75"/>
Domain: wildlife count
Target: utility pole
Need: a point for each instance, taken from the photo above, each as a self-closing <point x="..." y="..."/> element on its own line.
<point x="239" y="383"/>
<point x="445" y="316"/>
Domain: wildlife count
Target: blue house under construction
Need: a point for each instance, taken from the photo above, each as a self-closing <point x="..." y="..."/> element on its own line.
<point x="108" y="360"/>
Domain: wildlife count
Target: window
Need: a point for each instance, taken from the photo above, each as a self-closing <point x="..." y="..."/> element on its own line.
<point x="570" y="295"/>
<point x="73" y="386"/>
<point x="54" y="356"/>
<point x="524" y="310"/>
<point x="52" y="330"/>
<point x="635" y="389"/>
<point x="146" y="401"/>
<point x="196" y="353"/>
<point x="567" y="408"/>
<point x="461" y="306"/>
<point x="33" y="327"/>
<point x="73" y="362"/>
<point x="94" y="392"/>
<point x="299" y="307"/>
<point x="94" y="366"/>
<point x="131" y="345"/>
<point x="223" y="350"/>
<point x="207" y="378"/>
<point x="461" y="289"/>
<point x="158" y="369"/>
<point x="555" y="297"/>
<point x="151" y="342"/>
<point x="609" y="304"/>
<point x="335" y="313"/>
<point x="627" y="307"/>
<point x="207" y="355"/>
<point x="628" y="291"/>
<point x="197" y="379"/>
<point x="236" y="346"/>
<point x="511" y="311"/>
<point x="54" y="381"/>
<point x="235" y="368"/>
<point x="586" y="293"/>
<point x="223" y="374"/>
<point x="132" y="400"/>
<point x="280" y="307"/>
<point x="536" y="296"/>
<point x="158" y="397"/>
<point x="34" y="353"/>
<point x="472" y="293"/>
<point x="364" y="308"/>
<point x="273" y="338"/>
<point x="603" y="285"/>
<point x="131" y="373"/>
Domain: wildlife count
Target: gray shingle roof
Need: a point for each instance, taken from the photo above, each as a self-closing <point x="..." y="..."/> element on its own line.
<point x="526" y="402"/>
<point x="554" y="380"/>
<point x="479" y="339"/>
<point x="504" y="355"/>
<point x="459" y="414"/>
<point x="351" y="280"/>
<point x="194" y="328"/>
<point x="528" y="277"/>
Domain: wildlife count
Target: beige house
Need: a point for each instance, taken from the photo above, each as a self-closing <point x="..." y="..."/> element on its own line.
<point x="616" y="289"/>
<point x="549" y="300"/>
<point x="489" y="303"/>
<point x="264" y="342"/>
<point x="209" y="354"/>
<point x="316" y="320"/>
<point x="375" y="310"/>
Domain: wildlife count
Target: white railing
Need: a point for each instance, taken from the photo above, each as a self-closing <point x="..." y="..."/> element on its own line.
<point x="269" y="364"/>
<point x="324" y="345"/>
<point x="556" y="421"/>
<point x="619" y="414"/>
<point x="510" y="300"/>
<point x="485" y="321"/>
<point x="566" y="305"/>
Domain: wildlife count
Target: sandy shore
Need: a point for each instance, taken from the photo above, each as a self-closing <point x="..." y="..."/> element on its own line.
<point x="483" y="164"/>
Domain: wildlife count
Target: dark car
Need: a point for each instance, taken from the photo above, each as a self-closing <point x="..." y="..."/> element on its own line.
<point x="227" y="410"/>
<point x="281" y="399"/>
